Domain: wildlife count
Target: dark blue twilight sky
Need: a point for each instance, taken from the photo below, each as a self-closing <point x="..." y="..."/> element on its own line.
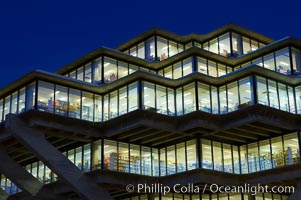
<point x="47" y="35"/>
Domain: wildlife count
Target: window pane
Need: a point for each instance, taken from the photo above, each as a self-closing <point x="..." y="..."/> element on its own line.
<point x="291" y="149"/>
<point x="273" y="97"/>
<point x="163" y="162"/>
<point x="277" y="152"/>
<point x="113" y="105"/>
<point x="245" y="93"/>
<point x="61" y="100"/>
<point x="87" y="106"/>
<point x="110" y="70"/>
<point x="161" y="99"/>
<point x="213" y="46"/>
<point x="88" y="73"/>
<point x="232" y="96"/>
<point x="141" y="50"/>
<point x="149" y="96"/>
<point x="21" y="106"/>
<point x="227" y="153"/>
<point x="168" y="72"/>
<point x="224" y="45"/>
<point x="135" y="159"/>
<point x="192" y="161"/>
<point x="14" y="102"/>
<point x="79" y="158"/>
<point x="177" y="69"/>
<point x="212" y="69"/>
<point x="253" y="158"/>
<point x="283" y="64"/>
<point x="46" y="97"/>
<point x="189" y="98"/>
<point x="6" y="106"/>
<point x="98" y="108"/>
<point x="162" y="48"/>
<point x="150" y="49"/>
<point x="122" y="100"/>
<point x="123" y="157"/>
<point x="181" y="157"/>
<point x="246" y="45"/>
<point x="236" y="45"/>
<point x="110" y="154"/>
<point x="217" y="156"/>
<point x="291" y="99"/>
<point x="146" y="161"/>
<point x="97" y="71"/>
<point x="172" y="48"/>
<point x="206" y="154"/>
<point x="30" y="96"/>
<point x="171" y="102"/>
<point x="265" y="155"/>
<point x="133" y="97"/>
<point x="214" y="99"/>
<point x="187" y="66"/>
<point x="262" y="93"/>
<point x="96" y="155"/>
<point x="296" y="59"/>
<point x="269" y="62"/>
<point x="155" y="157"/>
<point x="80" y="74"/>
<point x="171" y="160"/>
<point x="204" y="97"/>
<point x="236" y="162"/>
<point x="243" y="159"/>
<point x="87" y="158"/>
<point x="74" y="103"/>
<point x="202" y="65"/>
<point x="223" y="100"/>
<point x="122" y="69"/>
<point x="179" y="101"/>
<point x="283" y="98"/>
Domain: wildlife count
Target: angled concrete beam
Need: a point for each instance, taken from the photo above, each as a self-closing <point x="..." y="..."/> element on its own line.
<point x="55" y="160"/>
<point x="3" y="195"/>
<point x="17" y="174"/>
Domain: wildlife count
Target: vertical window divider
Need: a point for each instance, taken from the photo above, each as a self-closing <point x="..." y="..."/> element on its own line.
<point x="186" y="163"/>
<point x="288" y="99"/>
<point x="196" y="95"/>
<point x="199" y="151"/>
<point x="81" y="105"/>
<point x="212" y="155"/>
<point x="271" y="150"/>
<point x="299" y="143"/>
<point x="254" y="85"/>
<point x="36" y="95"/>
<point x="291" y="59"/>
<point x="284" y="160"/>
<point x="258" y="156"/>
<point x="102" y="154"/>
<point x="18" y="102"/>
<point x="102" y="70"/>
<point x="156" y="50"/>
<point x="231" y="46"/>
<point x="140" y="94"/>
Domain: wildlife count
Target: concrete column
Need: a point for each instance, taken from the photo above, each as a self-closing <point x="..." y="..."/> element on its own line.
<point x="18" y="175"/>
<point x="55" y="160"/>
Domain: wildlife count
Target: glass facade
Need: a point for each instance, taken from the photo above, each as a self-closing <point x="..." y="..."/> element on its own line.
<point x="194" y="96"/>
<point x="232" y="45"/>
<point x="184" y="156"/>
<point x="155" y="48"/>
